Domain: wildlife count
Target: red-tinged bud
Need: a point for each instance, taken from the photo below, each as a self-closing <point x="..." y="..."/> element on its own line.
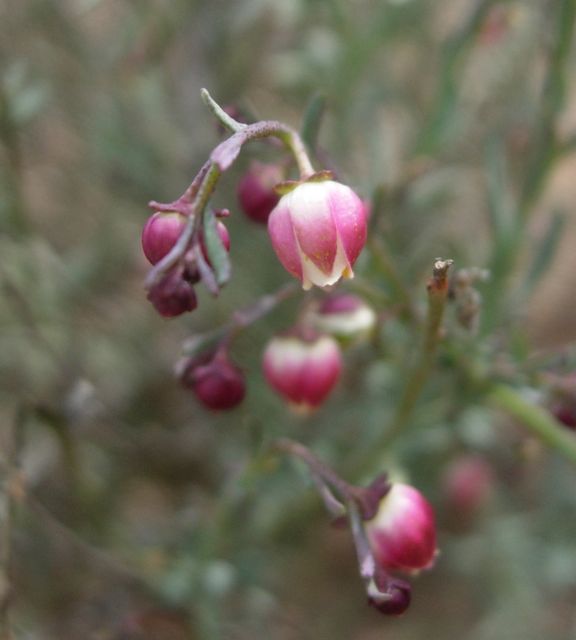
<point x="173" y="295"/>
<point x="160" y="234"/>
<point x="303" y="370"/>
<point x="402" y="534"/>
<point x="565" y="413"/>
<point x="468" y="484"/>
<point x="256" y="193"/>
<point x="318" y="230"/>
<point x="216" y="381"/>
<point x="344" y="315"/>
<point x="162" y="231"/>
<point x="389" y="595"/>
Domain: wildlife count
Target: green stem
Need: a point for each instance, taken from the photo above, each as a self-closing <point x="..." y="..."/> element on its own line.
<point x="536" y="420"/>
<point x="437" y="294"/>
<point x="267" y="128"/>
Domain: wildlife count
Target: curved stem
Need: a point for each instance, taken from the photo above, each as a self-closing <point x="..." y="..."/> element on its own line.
<point x="536" y="420"/>
<point x="265" y="129"/>
<point x="318" y="468"/>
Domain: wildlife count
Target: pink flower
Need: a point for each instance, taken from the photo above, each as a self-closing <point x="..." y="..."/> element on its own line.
<point x="402" y="534"/>
<point x="304" y="371"/>
<point x="318" y="230"/>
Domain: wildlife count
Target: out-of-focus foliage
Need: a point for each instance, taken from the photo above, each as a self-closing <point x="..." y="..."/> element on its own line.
<point x="137" y="514"/>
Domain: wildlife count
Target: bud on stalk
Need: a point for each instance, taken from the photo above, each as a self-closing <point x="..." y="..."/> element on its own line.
<point x="303" y="370"/>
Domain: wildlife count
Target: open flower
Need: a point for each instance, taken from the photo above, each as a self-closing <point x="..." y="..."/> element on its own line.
<point x="318" y="230"/>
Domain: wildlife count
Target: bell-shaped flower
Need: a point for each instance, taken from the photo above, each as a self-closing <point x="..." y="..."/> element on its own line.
<point x="303" y="369"/>
<point x="402" y="534"/>
<point x="318" y="229"/>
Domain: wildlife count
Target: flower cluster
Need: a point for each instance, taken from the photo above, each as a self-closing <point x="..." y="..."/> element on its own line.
<point x="317" y="228"/>
<point x="392" y="524"/>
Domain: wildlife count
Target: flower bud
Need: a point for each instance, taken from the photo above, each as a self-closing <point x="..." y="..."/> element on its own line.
<point x="160" y="234"/>
<point x="303" y="370"/>
<point x="162" y="231"/>
<point x="172" y="295"/>
<point x="256" y="193"/>
<point x="467" y="484"/>
<point x="402" y="534"/>
<point x="318" y="230"/>
<point x="344" y="315"/>
<point x="216" y="381"/>
<point x="391" y="598"/>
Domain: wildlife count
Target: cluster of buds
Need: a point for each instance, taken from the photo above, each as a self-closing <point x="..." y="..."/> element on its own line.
<point x="392" y="524"/>
<point x="172" y="290"/>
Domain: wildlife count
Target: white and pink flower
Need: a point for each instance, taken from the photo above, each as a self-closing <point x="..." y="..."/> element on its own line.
<point x="402" y="534"/>
<point x="303" y="370"/>
<point x="318" y="231"/>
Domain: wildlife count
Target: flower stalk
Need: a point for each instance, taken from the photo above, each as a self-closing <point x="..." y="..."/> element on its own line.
<point x="437" y="295"/>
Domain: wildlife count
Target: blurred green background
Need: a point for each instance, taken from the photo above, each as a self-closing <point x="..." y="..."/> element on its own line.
<point x="130" y="512"/>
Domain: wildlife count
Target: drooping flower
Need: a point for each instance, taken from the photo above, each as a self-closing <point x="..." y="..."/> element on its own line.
<point x="318" y="231"/>
<point x="303" y="369"/>
<point x="402" y="534"/>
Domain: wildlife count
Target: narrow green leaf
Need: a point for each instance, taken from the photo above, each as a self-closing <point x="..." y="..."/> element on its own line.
<point x="546" y="248"/>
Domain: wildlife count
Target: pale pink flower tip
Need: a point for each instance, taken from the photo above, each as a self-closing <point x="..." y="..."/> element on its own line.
<point x="318" y="230"/>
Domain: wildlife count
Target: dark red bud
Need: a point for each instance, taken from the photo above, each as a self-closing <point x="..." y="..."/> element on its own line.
<point x="390" y="596"/>
<point x="216" y="381"/>
<point x="256" y="193"/>
<point x="172" y="295"/>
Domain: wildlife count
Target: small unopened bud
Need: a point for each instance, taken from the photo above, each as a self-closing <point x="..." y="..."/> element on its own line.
<point x="344" y="315"/>
<point x="317" y="231"/>
<point x="402" y="534"/>
<point x="160" y="234"/>
<point x="162" y="230"/>
<point x="256" y="193"/>
<point x="216" y="381"/>
<point x="565" y="413"/>
<point x="468" y="484"/>
<point x="390" y="596"/>
<point x="303" y="370"/>
<point x="172" y="295"/>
